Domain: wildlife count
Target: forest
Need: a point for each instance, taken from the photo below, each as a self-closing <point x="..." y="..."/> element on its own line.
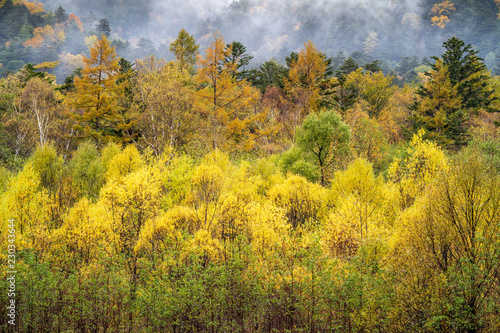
<point x="206" y="187"/>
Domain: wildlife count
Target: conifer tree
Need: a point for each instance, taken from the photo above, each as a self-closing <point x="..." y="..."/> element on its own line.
<point x="468" y="72"/>
<point x="226" y="102"/>
<point x="185" y="49"/>
<point x="97" y="93"/>
<point x="103" y="27"/>
<point x="439" y="111"/>
<point x="60" y="15"/>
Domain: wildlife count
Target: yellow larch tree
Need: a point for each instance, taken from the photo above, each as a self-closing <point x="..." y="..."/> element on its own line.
<point x="304" y="79"/>
<point x="371" y="42"/>
<point x="97" y="94"/>
<point x="227" y="105"/>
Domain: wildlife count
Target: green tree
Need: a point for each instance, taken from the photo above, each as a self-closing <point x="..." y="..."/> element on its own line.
<point x="270" y="73"/>
<point x="60" y="15"/>
<point x="326" y="139"/>
<point x="345" y="97"/>
<point x="103" y="27"/>
<point x="439" y="109"/>
<point x="239" y="58"/>
<point x="185" y="49"/>
<point x="468" y="72"/>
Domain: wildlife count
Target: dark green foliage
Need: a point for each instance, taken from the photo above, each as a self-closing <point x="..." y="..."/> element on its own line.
<point x="468" y="72"/>
<point x="69" y="81"/>
<point x="292" y="59"/>
<point x="239" y="58"/>
<point x="12" y="18"/>
<point x="13" y="66"/>
<point x="103" y="28"/>
<point x="373" y="66"/>
<point x="270" y="73"/>
<point x="348" y="66"/>
<point x="29" y="71"/>
<point x="406" y="69"/>
<point x="345" y="97"/>
<point x="25" y="32"/>
<point x="60" y="15"/>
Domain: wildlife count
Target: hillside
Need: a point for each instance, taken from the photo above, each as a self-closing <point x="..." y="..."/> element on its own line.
<point x="334" y="176"/>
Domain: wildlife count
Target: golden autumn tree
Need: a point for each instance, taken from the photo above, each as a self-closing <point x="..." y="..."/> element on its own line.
<point x="47" y="36"/>
<point x="34" y="7"/>
<point x="226" y="104"/>
<point x="420" y="166"/>
<point x="371" y="42"/>
<point x="73" y="19"/>
<point x="440" y="12"/>
<point x="164" y="101"/>
<point x="305" y="77"/>
<point x="96" y="98"/>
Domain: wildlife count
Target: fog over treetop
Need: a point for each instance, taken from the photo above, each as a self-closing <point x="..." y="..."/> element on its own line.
<point x="275" y="27"/>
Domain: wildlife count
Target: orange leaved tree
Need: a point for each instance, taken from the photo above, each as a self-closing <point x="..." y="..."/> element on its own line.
<point x="96" y="97"/>
<point x="227" y="104"/>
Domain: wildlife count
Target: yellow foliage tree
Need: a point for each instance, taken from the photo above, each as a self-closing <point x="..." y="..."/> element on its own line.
<point x="371" y="42"/>
<point x="362" y="200"/>
<point x="419" y="167"/>
<point x="131" y="202"/>
<point x="448" y="242"/>
<point x="97" y="94"/>
<point x="227" y="105"/>
<point x="303" y="85"/>
<point x="164" y="103"/>
<point x="28" y="204"/>
<point x="374" y="88"/>
<point x="81" y="234"/>
<point x="441" y="11"/>
<point x="123" y="163"/>
<point x="302" y="201"/>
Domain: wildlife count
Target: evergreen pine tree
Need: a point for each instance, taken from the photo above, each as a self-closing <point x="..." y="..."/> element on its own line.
<point x="60" y="15"/>
<point x="103" y="28"/>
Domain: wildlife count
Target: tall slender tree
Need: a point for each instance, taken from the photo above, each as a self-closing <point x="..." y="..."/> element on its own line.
<point x="226" y="102"/>
<point x="185" y="49"/>
<point x="97" y="93"/>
